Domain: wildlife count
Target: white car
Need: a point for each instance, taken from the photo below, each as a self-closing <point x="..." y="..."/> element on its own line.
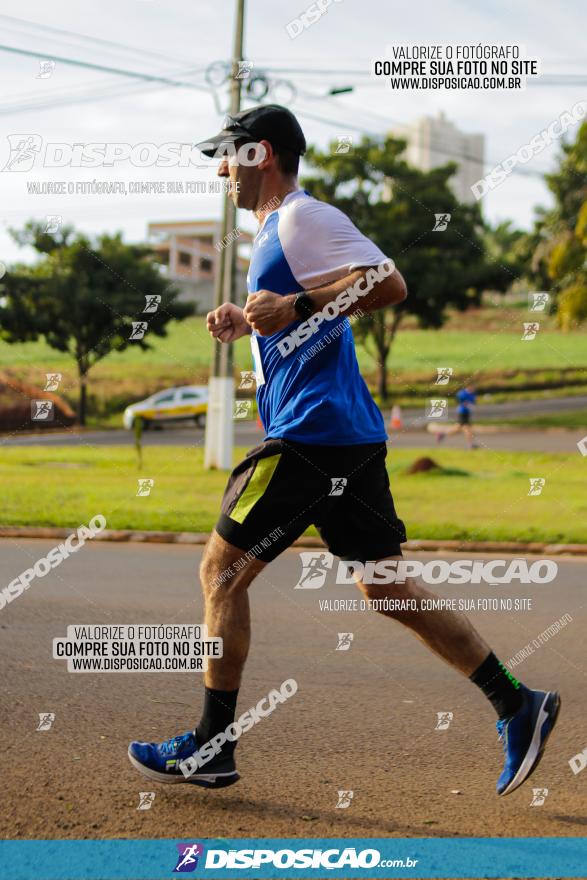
<point x="187" y="403"/>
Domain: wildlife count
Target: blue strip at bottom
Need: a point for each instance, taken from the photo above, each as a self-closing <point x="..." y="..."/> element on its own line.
<point x="477" y="857"/>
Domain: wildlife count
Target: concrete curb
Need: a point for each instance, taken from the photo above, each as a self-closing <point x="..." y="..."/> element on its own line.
<point x="127" y="535"/>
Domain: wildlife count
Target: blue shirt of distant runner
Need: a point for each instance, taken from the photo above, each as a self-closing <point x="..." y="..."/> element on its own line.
<point x="465" y="397"/>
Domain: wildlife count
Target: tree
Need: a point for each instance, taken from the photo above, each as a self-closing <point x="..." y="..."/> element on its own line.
<point x="85" y="297"/>
<point x="508" y="255"/>
<point x="395" y="205"/>
<point x="560" y="235"/>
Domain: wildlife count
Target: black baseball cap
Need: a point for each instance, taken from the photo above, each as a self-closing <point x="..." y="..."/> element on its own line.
<point x="270" y="122"/>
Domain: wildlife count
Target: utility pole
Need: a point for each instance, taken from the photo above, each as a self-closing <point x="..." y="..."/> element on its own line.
<point x="219" y="420"/>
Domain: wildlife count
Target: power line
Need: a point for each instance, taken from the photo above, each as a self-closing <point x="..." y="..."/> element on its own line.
<point x="154" y="78"/>
<point x="103" y="68"/>
<point x="39" y="100"/>
<point x="95" y="40"/>
<point x="68" y="101"/>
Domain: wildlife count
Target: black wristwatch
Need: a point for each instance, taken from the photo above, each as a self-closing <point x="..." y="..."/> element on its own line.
<point x="304" y="306"/>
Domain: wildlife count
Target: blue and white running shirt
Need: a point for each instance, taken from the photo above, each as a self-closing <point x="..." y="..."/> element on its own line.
<point x="315" y="394"/>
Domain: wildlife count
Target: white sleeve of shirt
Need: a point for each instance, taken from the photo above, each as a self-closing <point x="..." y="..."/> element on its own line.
<point x="321" y="244"/>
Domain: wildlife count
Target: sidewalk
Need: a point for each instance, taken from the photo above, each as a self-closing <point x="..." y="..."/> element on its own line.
<point x="305" y="541"/>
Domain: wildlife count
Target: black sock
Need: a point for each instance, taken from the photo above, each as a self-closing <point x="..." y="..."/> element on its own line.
<point x="218" y="713"/>
<point x="499" y="686"/>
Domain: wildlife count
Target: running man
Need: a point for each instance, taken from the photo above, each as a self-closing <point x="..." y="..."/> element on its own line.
<point x="322" y="460"/>
<point x="466" y="398"/>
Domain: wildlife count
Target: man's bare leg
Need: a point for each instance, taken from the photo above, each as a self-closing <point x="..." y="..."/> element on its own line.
<point x="452" y="429"/>
<point x="449" y="634"/>
<point x="526" y="717"/>
<point x="227" y="613"/>
<point x="205" y="756"/>
<point x="468" y="431"/>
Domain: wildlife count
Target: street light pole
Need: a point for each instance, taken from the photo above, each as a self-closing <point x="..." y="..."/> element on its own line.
<point x="219" y="421"/>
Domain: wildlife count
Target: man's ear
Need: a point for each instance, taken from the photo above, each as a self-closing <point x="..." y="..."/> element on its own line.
<point x="269" y="156"/>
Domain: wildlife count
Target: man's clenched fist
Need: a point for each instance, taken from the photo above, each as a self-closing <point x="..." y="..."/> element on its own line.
<point x="227" y="323"/>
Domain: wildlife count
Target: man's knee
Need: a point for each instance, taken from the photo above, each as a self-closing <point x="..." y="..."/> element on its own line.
<point x="222" y="573"/>
<point x="409" y="589"/>
<point x="215" y="573"/>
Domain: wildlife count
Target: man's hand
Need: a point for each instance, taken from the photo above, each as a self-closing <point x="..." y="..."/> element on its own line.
<point x="227" y="323"/>
<point x="269" y="312"/>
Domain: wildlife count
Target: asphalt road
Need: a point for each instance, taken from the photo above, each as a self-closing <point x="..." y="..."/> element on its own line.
<point x="363" y="719"/>
<point x="412" y="434"/>
<point x="249" y="435"/>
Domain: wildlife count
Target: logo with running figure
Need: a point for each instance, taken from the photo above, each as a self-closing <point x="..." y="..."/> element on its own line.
<point x="52" y="381"/>
<point x="344" y="641"/>
<point x="345" y="797"/>
<point x="242" y="409"/>
<point x="46" y="69"/>
<point x="345" y="143"/>
<point x="144" y="487"/>
<point x="314" y="568"/>
<point x="537" y="302"/>
<point x="539" y="795"/>
<point x="338" y="485"/>
<point x="53" y="223"/>
<point x="146" y="799"/>
<point x="152" y="302"/>
<point x="441" y="222"/>
<point x="24" y="148"/>
<point x="247" y="382"/>
<point x="530" y="330"/>
<point x="42" y="410"/>
<point x="244" y="70"/>
<point x="443" y="720"/>
<point x="537" y="484"/>
<point x="444" y="374"/>
<point x="187" y="861"/>
<point x="139" y="328"/>
<point x="46" y="720"/>
<point x="437" y="408"/>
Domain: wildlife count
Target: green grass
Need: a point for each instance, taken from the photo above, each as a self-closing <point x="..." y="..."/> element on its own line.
<point x="575" y="419"/>
<point x="67" y="486"/>
<point x="183" y="357"/>
<point x="188" y="348"/>
<point x="423" y="350"/>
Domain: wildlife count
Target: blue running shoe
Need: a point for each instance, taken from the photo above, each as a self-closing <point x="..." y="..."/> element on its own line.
<point x="524" y="736"/>
<point x="160" y="762"/>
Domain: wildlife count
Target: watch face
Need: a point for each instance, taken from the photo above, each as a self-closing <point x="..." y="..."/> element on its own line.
<point x="304" y="306"/>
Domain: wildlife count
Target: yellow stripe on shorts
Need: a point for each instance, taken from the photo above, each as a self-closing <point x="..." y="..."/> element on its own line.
<point x="258" y="483"/>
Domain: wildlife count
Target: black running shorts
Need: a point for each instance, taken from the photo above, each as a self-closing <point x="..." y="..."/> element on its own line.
<point x="282" y="487"/>
<point x="465" y="417"/>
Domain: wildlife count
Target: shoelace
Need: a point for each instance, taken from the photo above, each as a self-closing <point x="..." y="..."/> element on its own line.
<point x="175" y="743"/>
<point x="501" y="730"/>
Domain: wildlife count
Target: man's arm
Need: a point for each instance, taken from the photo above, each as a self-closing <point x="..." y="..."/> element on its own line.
<point x="366" y="289"/>
<point x="387" y="291"/>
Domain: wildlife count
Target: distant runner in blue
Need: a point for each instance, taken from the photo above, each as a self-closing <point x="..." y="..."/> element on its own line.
<point x="321" y="463"/>
<point x="466" y="398"/>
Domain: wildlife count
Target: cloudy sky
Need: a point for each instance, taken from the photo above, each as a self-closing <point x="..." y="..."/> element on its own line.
<point x="179" y="40"/>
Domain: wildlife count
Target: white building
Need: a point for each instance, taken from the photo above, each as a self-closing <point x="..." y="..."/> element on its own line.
<point x="187" y="250"/>
<point x="434" y="141"/>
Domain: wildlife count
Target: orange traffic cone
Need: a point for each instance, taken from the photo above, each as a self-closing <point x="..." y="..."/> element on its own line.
<point x="260" y="423"/>
<point x="395" y="423"/>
